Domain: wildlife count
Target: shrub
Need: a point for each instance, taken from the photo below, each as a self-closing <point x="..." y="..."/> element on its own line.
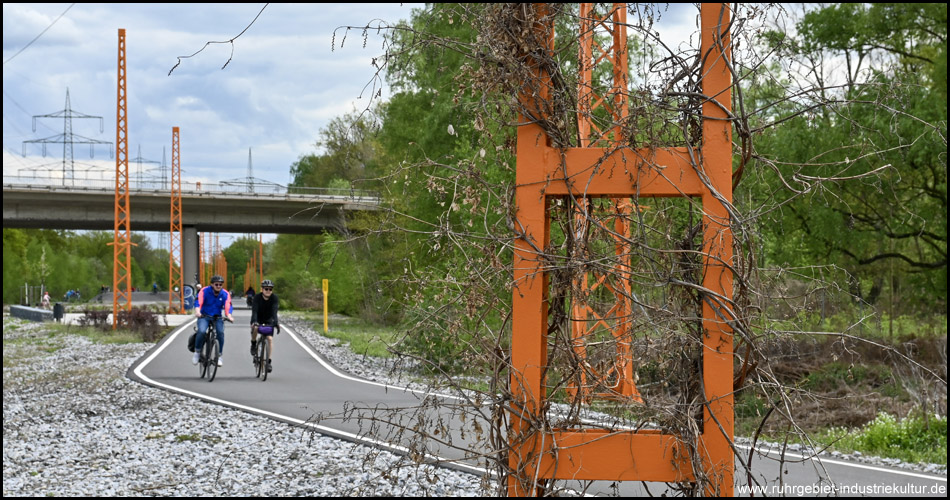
<point x="141" y="321"/>
<point x="920" y="438"/>
<point x="98" y="318"/>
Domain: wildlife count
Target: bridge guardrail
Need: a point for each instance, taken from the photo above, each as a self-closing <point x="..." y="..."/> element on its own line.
<point x="22" y="182"/>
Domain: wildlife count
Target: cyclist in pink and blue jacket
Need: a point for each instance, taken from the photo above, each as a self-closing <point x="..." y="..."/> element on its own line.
<point x="213" y="300"/>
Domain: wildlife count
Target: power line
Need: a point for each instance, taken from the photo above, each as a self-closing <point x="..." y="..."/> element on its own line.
<point x="41" y="34"/>
<point x="17" y="104"/>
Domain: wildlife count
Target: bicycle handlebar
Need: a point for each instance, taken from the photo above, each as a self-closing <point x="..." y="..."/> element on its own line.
<point x="216" y="316"/>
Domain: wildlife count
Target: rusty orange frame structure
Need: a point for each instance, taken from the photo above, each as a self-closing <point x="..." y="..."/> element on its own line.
<point x="544" y="173"/>
<point x="122" y="238"/>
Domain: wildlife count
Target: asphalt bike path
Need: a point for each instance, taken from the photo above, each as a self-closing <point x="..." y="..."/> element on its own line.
<point x="303" y="389"/>
<point x="306" y="390"/>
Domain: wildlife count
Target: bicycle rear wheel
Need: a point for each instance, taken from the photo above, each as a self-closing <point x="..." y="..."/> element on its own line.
<point x="214" y="353"/>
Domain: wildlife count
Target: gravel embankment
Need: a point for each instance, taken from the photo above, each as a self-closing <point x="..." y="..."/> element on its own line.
<point x="74" y="425"/>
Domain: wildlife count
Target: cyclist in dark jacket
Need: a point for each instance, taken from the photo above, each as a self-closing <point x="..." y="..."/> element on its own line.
<point x="264" y="318"/>
<point x="213" y="300"/>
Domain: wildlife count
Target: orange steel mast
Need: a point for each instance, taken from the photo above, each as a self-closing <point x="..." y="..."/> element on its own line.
<point x="224" y="269"/>
<point x="538" y="453"/>
<point x="220" y="263"/>
<point x="176" y="255"/>
<point x="122" y="264"/>
<point x="247" y="275"/>
<point x="216" y="249"/>
<point x="618" y="319"/>
<point x="202" y="258"/>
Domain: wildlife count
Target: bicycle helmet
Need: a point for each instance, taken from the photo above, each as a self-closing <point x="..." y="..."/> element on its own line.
<point x="217" y="279"/>
<point x="266" y="283"/>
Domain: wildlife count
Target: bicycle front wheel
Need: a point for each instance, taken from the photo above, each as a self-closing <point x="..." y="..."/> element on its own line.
<point x="203" y="360"/>
<point x="215" y="352"/>
<point x="262" y="357"/>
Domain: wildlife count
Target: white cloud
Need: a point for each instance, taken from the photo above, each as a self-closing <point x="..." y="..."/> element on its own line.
<point x="283" y="83"/>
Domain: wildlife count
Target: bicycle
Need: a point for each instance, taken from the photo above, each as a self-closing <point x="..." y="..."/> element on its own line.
<point x="208" y="361"/>
<point x="260" y="357"/>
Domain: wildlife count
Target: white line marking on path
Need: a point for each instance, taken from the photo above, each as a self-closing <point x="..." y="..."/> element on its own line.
<point x="847" y="464"/>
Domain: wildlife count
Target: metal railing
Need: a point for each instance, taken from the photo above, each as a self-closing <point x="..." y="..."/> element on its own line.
<point x="193" y="187"/>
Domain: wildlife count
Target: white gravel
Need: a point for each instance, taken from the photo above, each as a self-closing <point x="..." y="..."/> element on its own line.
<point x="74" y="425"/>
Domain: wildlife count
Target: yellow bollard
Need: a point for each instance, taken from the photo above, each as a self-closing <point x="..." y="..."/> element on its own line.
<point x="326" y="290"/>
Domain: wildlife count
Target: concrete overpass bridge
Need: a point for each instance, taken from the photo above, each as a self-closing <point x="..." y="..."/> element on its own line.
<point x="214" y="208"/>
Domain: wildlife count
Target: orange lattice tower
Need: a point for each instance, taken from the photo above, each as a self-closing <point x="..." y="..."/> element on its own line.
<point x="201" y="258"/>
<point x="616" y="381"/>
<point x="215" y="252"/>
<point x="176" y="252"/>
<point x="538" y="453"/>
<point x="122" y="239"/>
<point x="220" y="262"/>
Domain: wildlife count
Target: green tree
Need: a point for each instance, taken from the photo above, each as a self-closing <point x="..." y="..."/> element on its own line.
<point x="238" y="254"/>
<point x="865" y="155"/>
<point x="349" y="154"/>
<point x="64" y="260"/>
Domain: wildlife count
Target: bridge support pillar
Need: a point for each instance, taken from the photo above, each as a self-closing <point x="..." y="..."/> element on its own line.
<point x="190" y="261"/>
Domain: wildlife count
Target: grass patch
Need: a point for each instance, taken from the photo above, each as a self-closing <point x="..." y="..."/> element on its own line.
<point x="195" y="437"/>
<point x="473" y="384"/>
<point x="832" y="375"/>
<point x="97" y="335"/>
<point x="43" y="339"/>
<point x="877" y="327"/>
<point x="51" y="330"/>
<point x="912" y="439"/>
<point x="363" y="338"/>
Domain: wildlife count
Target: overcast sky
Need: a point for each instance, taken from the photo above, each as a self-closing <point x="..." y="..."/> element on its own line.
<point x="284" y="82"/>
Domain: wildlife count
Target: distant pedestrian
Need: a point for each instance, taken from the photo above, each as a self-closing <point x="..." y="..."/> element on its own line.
<point x="45" y="303"/>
